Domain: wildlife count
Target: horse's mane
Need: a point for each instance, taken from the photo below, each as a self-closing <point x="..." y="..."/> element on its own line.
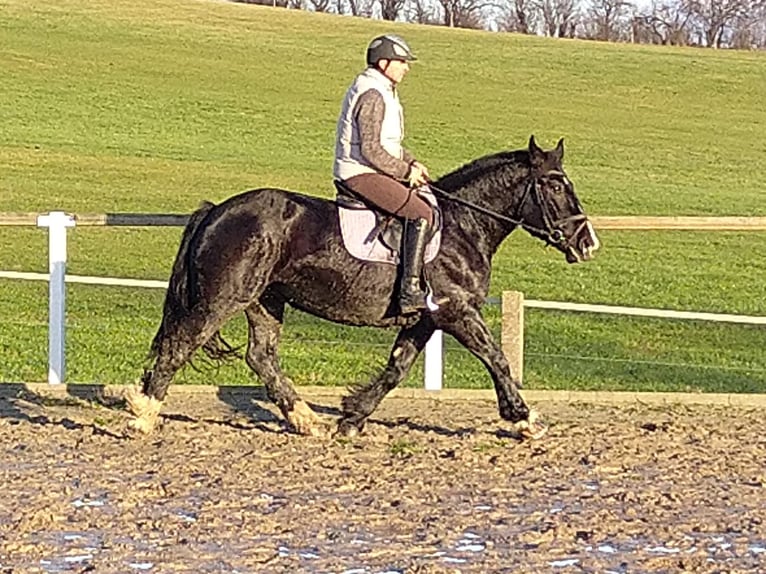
<point x="481" y="168"/>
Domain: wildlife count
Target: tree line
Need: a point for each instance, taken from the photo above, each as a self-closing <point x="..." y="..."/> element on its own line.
<point x="734" y="24"/>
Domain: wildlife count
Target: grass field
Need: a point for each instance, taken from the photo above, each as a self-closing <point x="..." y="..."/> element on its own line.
<point x="152" y="106"/>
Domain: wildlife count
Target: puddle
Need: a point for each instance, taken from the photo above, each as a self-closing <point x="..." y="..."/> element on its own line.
<point x="187" y="516"/>
<point x="663" y="550"/>
<point x="65" y="563"/>
<point x="564" y="563"/>
<point x="305" y="553"/>
<point x="470" y="542"/>
<point x="470" y="548"/>
<point x="79" y="503"/>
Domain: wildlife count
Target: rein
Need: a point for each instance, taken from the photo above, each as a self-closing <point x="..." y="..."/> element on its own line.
<point x="552" y="232"/>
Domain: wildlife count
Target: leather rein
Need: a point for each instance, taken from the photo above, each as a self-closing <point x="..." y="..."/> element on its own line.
<point x="552" y="234"/>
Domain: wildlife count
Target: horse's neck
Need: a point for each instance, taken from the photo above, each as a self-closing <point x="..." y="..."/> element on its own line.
<point x="485" y="230"/>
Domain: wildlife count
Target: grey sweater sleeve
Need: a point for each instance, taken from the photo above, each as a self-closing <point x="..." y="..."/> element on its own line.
<point x="369" y="112"/>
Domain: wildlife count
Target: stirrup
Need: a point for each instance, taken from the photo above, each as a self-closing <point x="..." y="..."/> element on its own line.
<point x="427" y="303"/>
<point x="431" y="303"/>
<point x="413" y="306"/>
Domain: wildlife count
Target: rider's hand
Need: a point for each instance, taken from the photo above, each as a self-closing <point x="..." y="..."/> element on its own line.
<point x="418" y="174"/>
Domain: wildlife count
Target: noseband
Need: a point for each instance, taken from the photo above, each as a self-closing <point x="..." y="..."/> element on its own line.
<point x="552" y="234"/>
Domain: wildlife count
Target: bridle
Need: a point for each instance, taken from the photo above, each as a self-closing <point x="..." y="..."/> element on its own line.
<point x="552" y="234"/>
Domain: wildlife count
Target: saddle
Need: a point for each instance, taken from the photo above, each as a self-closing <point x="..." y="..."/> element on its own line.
<point x="388" y="228"/>
<point x="372" y="235"/>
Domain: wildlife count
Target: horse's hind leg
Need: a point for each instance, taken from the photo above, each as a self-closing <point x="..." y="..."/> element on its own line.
<point x="361" y="403"/>
<point x="180" y="339"/>
<point x="265" y="326"/>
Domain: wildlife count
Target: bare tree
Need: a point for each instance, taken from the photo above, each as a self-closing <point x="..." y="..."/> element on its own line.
<point x="273" y="3"/>
<point x="519" y="16"/>
<point x="423" y="12"/>
<point x="759" y="25"/>
<point x="748" y="31"/>
<point x="391" y="9"/>
<point x="715" y="16"/>
<point x="464" y="13"/>
<point x="666" y="22"/>
<point x="607" y="20"/>
<point x="558" y="17"/>
<point x="318" y="5"/>
<point x="363" y="8"/>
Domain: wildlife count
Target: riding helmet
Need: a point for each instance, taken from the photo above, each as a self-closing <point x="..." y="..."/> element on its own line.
<point x="388" y="47"/>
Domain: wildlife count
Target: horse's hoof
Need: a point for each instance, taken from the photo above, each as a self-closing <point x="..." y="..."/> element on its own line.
<point x="316" y="431"/>
<point x="312" y="431"/>
<point x="534" y="431"/>
<point x="139" y="427"/>
<point x="532" y="428"/>
<point x="305" y="421"/>
<point x="346" y="430"/>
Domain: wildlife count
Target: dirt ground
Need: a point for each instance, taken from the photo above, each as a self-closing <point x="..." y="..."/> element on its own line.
<point x="433" y="486"/>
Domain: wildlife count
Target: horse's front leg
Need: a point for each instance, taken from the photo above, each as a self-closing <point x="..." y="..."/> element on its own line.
<point x="363" y="400"/>
<point x="469" y="328"/>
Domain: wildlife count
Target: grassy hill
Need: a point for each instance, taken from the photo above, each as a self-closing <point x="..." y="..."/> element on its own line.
<point x="203" y="99"/>
<point x="152" y="106"/>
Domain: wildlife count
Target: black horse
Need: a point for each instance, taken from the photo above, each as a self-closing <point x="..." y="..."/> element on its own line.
<point x="265" y="248"/>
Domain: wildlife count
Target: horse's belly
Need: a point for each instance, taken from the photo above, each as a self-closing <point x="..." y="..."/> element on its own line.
<point x="364" y="298"/>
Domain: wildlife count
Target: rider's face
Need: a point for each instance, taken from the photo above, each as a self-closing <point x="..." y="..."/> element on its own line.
<point x="394" y="70"/>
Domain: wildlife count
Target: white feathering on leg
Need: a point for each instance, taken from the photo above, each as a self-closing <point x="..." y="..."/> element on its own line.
<point x="146" y="410"/>
<point x="136" y="400"/>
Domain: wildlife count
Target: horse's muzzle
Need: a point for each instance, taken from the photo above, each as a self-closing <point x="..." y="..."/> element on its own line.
<point x="583" y="245"/>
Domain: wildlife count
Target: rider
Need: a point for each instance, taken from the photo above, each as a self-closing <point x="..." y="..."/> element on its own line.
<point x="370" y="159"/>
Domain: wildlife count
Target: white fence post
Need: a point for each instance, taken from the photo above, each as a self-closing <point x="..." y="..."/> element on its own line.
<point x="434" y="362"/>
<point x="56" y="222"/>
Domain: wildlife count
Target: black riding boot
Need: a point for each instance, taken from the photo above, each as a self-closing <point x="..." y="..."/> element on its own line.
<point x="412" y="298"/>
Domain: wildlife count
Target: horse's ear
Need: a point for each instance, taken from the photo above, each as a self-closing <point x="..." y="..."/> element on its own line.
<point x="533" y="147"/>
<point x="536" y="154"/>
<point x="559" y="151"/>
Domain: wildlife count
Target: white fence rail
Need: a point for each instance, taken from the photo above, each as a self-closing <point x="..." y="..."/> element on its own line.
<point x="645" y="312"/>
<point x="513" y="303"/>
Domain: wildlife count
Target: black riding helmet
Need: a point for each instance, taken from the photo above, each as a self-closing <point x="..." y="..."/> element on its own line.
<point x="388" y="47"/>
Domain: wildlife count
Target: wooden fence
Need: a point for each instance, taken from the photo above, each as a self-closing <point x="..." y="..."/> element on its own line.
<point x="602" y="222"/>
<point x="513" y="303"/>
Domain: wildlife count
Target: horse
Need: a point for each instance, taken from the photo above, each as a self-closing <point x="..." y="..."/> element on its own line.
<point x="263" y="249"/>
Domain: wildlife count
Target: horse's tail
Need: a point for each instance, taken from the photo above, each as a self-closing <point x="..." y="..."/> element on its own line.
<point x="182" y="293"/>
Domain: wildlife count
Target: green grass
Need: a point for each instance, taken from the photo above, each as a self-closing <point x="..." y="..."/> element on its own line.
<point x="109" y="329"/>
<point x="152" y="106"/>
